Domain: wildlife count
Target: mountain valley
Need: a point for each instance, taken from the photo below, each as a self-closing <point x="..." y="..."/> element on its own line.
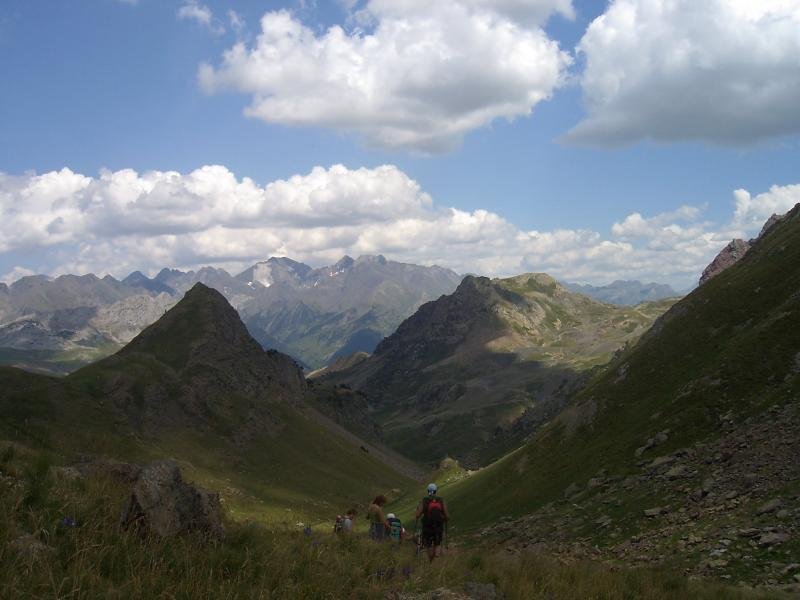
<point x="661" y="436"/>
<point x="472" y="374"/>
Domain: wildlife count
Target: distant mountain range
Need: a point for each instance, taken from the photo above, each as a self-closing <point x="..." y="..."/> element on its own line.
<point x="471" y="374"/>
<point x="629" y="293"/>
<point x="315" y="315"/>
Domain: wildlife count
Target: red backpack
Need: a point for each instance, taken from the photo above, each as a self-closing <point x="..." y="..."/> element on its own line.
<point x="433" y="511"/>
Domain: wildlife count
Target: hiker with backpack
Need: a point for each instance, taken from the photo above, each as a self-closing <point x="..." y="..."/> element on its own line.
<point x="434" y="515"/>
<point x="395" y="528"/>
<point x="344" y="524"/>
<point x="338" y="524"/>
<point x="378" y="525"/>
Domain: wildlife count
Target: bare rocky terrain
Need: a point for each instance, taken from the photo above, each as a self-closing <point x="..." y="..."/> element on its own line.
<point x="726" y="508"/>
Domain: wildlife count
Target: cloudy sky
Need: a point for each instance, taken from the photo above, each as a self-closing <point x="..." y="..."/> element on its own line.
<point x="593" y="140"/>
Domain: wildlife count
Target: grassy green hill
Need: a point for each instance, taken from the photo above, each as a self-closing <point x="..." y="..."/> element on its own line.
<point x="697" y="423"/>
<point x="196" y="387"/>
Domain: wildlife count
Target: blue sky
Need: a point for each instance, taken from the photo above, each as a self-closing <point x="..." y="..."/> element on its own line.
<point x="112" y="84"/>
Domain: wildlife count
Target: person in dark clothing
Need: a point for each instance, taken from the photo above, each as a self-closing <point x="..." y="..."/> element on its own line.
<point x="433" y="512"/>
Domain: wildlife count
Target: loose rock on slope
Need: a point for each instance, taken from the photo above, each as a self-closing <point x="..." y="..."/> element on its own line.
<point x="163" y="504"/>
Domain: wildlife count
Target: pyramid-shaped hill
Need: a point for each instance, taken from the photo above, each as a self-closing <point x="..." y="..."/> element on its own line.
<point x="204" y="332"/>
<point x="197" y="362"/>
<point x="195" y="387"/>
<point x="471" y="374"/>
<point x="694" y="433"/>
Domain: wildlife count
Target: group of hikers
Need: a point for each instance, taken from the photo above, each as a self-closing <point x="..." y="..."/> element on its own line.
<point x="431" y="513"/>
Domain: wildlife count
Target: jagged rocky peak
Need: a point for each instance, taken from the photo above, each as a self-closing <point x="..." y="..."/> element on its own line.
<point x="445" y="321"/>
<point x="165" y="274"/>
<point x="276" y="269"/>
<point x="367" y="259"/>
<point x="293" y="266"/>
<point x="474" y="284"/>
<point x="203" y="331"/>
<point x="342" y="265"/>
<point x="479" y="347"/>
<point x="203" y="315"/>
<point x="137" y="279"/>
<point x="197" y="366"/>
<point x="771" y="222"/>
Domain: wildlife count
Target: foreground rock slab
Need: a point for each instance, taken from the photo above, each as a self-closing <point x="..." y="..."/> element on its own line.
<point x="163" y="504"/>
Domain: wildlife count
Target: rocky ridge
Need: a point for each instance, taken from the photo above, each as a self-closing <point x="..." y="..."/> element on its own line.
<point x="471" y="374"/>
<point x="727" y="257"/>
<point x="735" y="250"/>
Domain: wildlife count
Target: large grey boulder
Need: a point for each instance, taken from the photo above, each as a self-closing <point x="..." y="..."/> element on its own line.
<point x="163" y="504"/>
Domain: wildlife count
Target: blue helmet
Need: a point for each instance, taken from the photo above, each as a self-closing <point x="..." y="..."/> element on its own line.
<point x="432" y="489"/>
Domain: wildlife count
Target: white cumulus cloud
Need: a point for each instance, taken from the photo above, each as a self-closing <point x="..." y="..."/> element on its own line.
<point x="752" y="211"/>
<point x="191" y="10"/>
<point x="122" y="221"/>
<point x="419" y="76"/>
<point x="719" y="71"/>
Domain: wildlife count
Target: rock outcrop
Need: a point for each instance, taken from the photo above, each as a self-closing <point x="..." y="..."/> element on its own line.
<point x="728" y="256"/>
<point x="736" y="249"/>
<point x="163" y="504"/>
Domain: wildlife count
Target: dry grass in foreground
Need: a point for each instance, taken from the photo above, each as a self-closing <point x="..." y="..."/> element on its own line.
<point x="61" y="539"/>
